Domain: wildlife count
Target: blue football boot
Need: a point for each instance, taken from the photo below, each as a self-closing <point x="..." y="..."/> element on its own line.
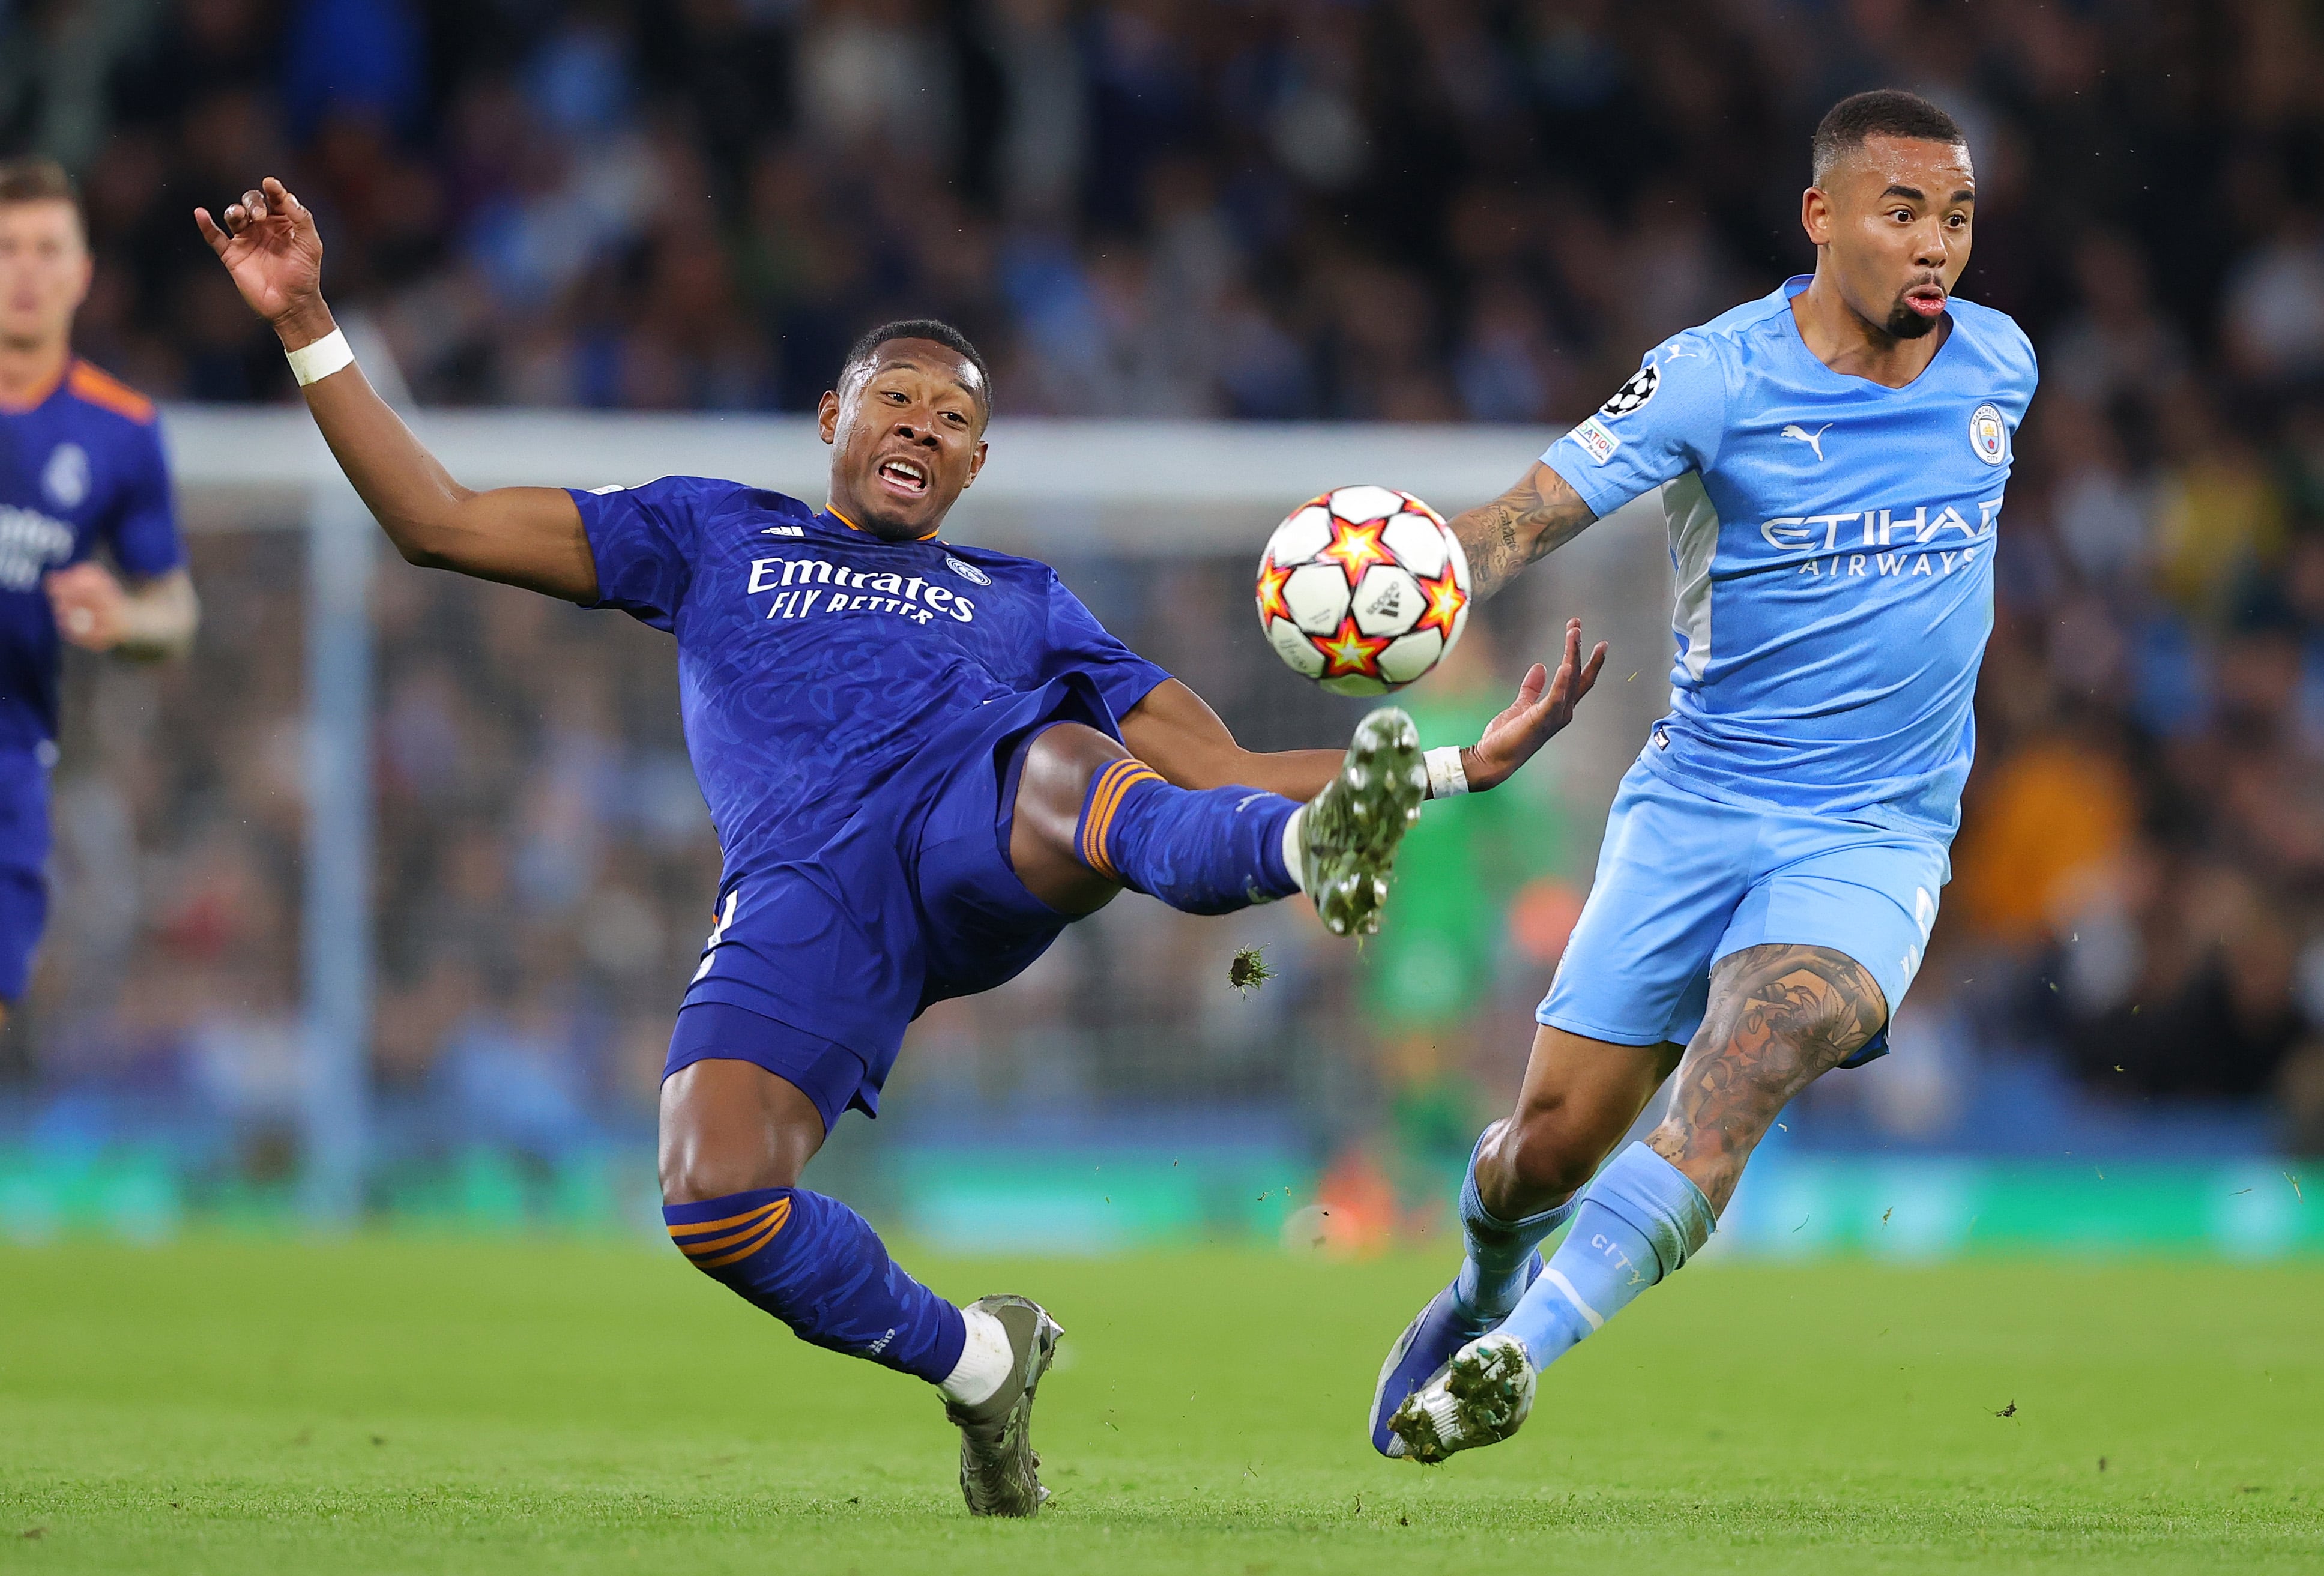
<point x="1427" y="1344"/>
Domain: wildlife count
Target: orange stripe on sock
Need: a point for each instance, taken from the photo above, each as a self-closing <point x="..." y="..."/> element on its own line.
<point x="766" y="1234"/>
<point x="722" y="1250"/>
<point x="1115" y="783"/>
<point x="695" y="1248"/>
<point x="1109" y="800"/>
<point x="1093" y="848"/>
<point x="1128" y="780"/>
<point x="751" y="1217"/>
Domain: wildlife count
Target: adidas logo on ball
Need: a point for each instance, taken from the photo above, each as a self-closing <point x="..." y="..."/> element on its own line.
<point x="1363" y="590"/>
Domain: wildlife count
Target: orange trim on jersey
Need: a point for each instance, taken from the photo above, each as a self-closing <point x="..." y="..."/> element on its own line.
<point x="40" y="395"/>
<point x="833" y="510"/>
<point x="101" y="388"/>
<point x="1112" y="785"/>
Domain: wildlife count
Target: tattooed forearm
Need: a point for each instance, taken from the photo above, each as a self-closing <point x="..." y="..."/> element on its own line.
<point x="1540" y="513"/>
<point x="1779" y="1018"/>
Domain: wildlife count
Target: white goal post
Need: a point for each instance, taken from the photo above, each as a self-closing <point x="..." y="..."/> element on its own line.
<point x="1210" y="486"/>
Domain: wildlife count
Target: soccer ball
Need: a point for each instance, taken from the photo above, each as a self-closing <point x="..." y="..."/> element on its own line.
<point x="1363" y="590"/>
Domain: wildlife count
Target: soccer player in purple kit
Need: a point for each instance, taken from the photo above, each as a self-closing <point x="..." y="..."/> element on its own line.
<point x="81" y="470"/>
<point x="923" y="759"/>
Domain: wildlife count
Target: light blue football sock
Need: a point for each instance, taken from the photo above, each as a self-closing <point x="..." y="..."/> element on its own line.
<point x="1492" y="1277"/>
<point x="1640" y="1219"/>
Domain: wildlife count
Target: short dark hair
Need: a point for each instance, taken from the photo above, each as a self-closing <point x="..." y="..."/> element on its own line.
<point x="1887" y="111"/>
<point x="867" y="347"/>
<point x="34" y="179"/>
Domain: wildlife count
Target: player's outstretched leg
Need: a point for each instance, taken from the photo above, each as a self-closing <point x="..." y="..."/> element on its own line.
<point x="735" y="1136"/>
<point x="1524" y="1180"/>
<point x="1779" y="1018"/>
<point x="1090" y="818"/>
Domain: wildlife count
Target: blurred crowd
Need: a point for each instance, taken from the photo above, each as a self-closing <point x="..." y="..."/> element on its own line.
<point x="1402" y="209"/>
<point x="1413" y="210"/>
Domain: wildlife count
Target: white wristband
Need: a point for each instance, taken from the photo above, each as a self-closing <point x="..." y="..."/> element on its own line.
<point x="313" y="362"/>
<point x="1445" y="776"/>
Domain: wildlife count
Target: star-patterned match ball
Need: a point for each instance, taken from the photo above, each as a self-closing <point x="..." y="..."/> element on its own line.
<point x="1363" y="590"/>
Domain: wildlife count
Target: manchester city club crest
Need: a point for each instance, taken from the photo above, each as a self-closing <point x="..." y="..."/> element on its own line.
<point x="1988" y="434"/>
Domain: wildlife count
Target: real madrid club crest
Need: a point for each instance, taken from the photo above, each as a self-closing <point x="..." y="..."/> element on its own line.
<point x="967" y="571"/>
<point x="1988" y="434"/>
<point x="65" y="478"/>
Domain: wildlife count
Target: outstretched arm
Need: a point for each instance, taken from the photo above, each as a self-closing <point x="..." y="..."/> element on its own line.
<point x="145" y="621"/>
<point x="523" y="536"/>
<point x="1542" y="512"/>
<point x="1176" y="734"/>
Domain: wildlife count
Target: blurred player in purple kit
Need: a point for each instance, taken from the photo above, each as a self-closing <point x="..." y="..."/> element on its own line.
<point x="923" y="759"/>
<point x="81" y="472"/>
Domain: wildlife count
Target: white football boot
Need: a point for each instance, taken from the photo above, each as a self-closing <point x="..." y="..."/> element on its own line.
<point x="1348" y="834"/>
<point x="1481" y="1397"/>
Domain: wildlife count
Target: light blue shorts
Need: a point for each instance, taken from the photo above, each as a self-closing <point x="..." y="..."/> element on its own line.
<point x="1683" y="880"/>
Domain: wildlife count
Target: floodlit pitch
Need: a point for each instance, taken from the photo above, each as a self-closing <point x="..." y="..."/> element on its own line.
<point x="401" y="1406"/>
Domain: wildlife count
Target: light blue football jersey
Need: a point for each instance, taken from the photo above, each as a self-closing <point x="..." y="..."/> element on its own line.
<point x="1833" y="544"/>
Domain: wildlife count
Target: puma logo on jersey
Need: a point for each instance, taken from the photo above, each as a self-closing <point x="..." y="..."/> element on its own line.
<point x="1814" y="440"/>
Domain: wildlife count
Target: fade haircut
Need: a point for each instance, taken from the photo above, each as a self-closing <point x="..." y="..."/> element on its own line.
<point x="865" y="351"/>
<point x="38" y="180"/>
<point x="1885" y="113"/>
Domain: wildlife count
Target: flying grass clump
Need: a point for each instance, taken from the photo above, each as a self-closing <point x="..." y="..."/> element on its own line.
<point x="1249" y="971"/>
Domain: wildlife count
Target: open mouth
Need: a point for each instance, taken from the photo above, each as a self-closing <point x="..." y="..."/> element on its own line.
<point x="1927" y="299"/>
<point x="906" y="478"/>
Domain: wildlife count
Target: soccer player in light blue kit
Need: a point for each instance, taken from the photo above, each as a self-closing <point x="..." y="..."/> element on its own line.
<point x="1833" y="460"/>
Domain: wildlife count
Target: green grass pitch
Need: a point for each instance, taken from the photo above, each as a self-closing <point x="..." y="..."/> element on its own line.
<point x="403" y="1406"/>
